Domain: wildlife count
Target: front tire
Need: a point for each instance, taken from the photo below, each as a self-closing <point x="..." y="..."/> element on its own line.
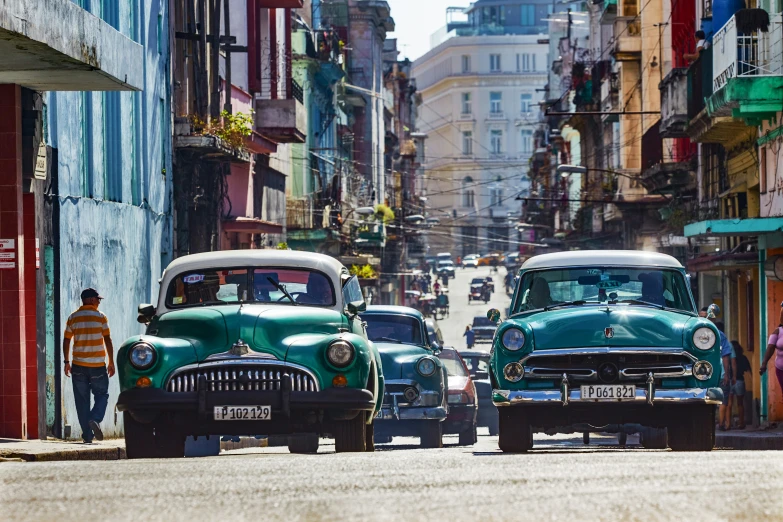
<point x="693" y="430"/>
<point x="170" y="441"/>
<point x="653" y="438"/>
<point x="303" y="443"/>
<point x="369" y="437"/>
<point x="431" y="434"/>
<point x="468" y="437"/>
<point x="349" y="435"/>
<point x="515" y="434"/>
<point x="139" y="439"/>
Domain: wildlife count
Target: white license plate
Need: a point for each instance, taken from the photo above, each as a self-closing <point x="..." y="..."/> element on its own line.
<point x="615" y="392"/>
<point x="231" y="413"/>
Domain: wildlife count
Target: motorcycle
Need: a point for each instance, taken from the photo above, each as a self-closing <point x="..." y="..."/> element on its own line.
<point x="475" y="293"/>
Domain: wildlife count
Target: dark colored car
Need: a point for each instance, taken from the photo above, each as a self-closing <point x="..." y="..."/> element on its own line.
<point x="446" y="268"/>
<point x="477" y="363"/>
<point x="463" y="404"/>
<point x="484" y="329"/>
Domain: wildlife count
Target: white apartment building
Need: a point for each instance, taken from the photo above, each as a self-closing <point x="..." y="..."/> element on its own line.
<point x="480" y="99"/>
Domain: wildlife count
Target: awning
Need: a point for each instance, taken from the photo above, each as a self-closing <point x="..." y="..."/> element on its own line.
<point x="723" y="261"/>
<point x="735" y="227"/>
<point x="251" y="226"/>
<point x="258" y="144"/>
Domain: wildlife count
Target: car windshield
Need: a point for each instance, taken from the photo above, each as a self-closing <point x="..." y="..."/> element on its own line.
<point x="452" y="363"/>
<point x="476" y="364"/>
<point x="482" y="321"/>
<point x="577" y="286"/>
<point x="260" y="285"/>
<point x="445" y="263"/>
<point x="388" y="328"/>
<point x="477" y="281"/>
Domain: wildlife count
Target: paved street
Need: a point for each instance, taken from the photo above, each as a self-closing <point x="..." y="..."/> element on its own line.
<point x="560" y="480"/>
<point x="461" y="313"/>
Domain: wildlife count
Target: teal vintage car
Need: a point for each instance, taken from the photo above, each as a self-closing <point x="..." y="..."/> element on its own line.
<point x="415" y="401"/>
<point x="251" y="342"/>
<point x="605" y="338"/>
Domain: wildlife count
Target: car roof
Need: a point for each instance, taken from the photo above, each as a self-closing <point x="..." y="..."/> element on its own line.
<point x="228" y="258"/>
<point x="601" y="258"/>
<point x="393" y="309"/>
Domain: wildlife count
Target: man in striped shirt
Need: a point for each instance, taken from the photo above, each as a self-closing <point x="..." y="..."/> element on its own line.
<point x="88" y="330"/>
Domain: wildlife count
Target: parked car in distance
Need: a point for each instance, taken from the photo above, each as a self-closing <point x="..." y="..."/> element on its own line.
<point x="477" y="363"/>
<point x="493" y="259"/>
<point x="251" y="342"/>
<point x="415" y="403"/>
<point x="476" y="292"/>
<point x="602" y="338"/>
<point x="446" y="268"/>
<point x="470" y="261"/>
<point x="444" y="256"/>
<point x="484" y="329"/>
<point x="463" y="404"/>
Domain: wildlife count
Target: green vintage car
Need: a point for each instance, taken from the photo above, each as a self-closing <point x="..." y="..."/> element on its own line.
<point x="415" y="402"/>
<point x="251" y="342"/>
<point x="605" y="338"/>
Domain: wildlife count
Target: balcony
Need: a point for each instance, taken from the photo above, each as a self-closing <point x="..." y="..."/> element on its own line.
<point x="747" y="74"/>
<point x="496" y="116"/>
<point x="628" y="38"/>
<point x="674" y="104"/>
<point x="282" y="121"/>
<point x="610" y="98"/>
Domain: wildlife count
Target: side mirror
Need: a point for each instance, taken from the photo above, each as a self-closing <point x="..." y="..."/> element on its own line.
<point x="713" y="311"/>
<point x="494" y="315"/>
<point x="356" y="307"/>
<point x="436" y="347"/>
<point x="146" y="313"/>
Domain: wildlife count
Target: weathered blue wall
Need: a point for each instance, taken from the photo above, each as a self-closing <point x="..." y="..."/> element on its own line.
<point x="115" y="189"/>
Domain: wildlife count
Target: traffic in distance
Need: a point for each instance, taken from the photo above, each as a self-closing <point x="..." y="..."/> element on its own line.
<point x="284" y="344"/>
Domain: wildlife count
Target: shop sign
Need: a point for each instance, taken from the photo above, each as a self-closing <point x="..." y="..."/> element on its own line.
<point x="7" y="254"/>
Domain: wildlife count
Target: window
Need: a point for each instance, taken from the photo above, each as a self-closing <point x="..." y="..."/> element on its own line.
<point x="525" y="103"/>
<point x="453" y="364"/>
<point x="528" y="15"/>
<point x="495" y="102"/>
<point x="468" y="195"/>
<point x="527" y="141"/>
<point x="763" y="168"/>
<point x="465" y="63"/>
<point x="467" y="143"/>
<point x="496" y="141"/>
<point x="466" y="105"/>
<point x="496" y="195"/>
<point x="112" y="146"/>
<point x="352" y="291"/>
<point x="494" y="62"/>
<point x="528" y="62"/>
<point x="394" y="329"/>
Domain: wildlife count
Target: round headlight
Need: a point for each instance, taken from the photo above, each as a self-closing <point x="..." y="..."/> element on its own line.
<point x="142" y="356"/>
<point x="513" y="339"/>
<point x="514" y="372"/>
<point x="410" y="393"/>
<point x="704" y="338"/>
<point x="340" y="353"/>
<point x="702" y="370"/>
<point x="426" y="366"/>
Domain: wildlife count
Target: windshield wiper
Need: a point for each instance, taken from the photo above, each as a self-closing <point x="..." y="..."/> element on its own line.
<point x="643" y="303"/>
<point x="567" y="303"/>
<point x="282" y="289"/>
<point x="388" y="339"/>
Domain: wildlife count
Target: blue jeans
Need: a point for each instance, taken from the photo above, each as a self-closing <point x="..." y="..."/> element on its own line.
<point x="85" y="381"/>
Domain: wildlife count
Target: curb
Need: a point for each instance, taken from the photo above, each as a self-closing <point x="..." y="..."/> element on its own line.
<point x="740" y="442"/>
<point x="80" y="454"/>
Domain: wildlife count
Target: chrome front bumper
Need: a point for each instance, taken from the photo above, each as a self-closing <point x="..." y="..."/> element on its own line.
<point x="412" y="413"/>
<point x="567" y="396"/>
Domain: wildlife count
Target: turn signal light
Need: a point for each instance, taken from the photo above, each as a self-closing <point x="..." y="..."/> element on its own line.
<point x="143" y="382"/>
<point x="339" y="381"/>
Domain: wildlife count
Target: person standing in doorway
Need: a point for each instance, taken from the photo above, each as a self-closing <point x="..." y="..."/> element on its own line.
<point x="743" y="367"/>
<point x="88" y="330"/>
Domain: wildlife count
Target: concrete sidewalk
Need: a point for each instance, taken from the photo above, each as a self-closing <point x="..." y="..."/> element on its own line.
<point x="750" y="439"/>
<point x="110" y="449"/>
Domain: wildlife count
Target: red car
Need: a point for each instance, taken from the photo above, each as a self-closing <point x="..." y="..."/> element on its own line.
<point x="463" y="404"/>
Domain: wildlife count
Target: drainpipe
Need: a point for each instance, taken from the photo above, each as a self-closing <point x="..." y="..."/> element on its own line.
<point x="273" y="54"/>
<point x="252" y="47"/>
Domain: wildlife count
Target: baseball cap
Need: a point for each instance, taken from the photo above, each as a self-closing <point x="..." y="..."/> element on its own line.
<point x="90" y="292"/>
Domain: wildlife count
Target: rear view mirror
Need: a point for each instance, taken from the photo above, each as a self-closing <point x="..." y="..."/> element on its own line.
<point x="356" y="307"/>
<point x="493" y="315"/>
<point x="146" y="313"/>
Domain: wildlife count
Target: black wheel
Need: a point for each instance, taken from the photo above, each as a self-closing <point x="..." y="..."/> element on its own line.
<point x="431" y="435"/>
<point x="303" y="443"/>
<point x="349" y="435"/>
<point x="369" y="437"/>
<point x="653" y="438"/>
<point x="139" y="439"/>
<point x="515" y="435"/>
<point x="622" y="438"/>
<point x="693" y="430"/>
<point x="586" y="437"/>
<point x="170" y="441"/>
<point x="468" y="437"/>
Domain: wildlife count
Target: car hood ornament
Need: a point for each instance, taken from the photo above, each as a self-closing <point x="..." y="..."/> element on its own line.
<point x="239" y="348"/>
<point x="609" y="332"/>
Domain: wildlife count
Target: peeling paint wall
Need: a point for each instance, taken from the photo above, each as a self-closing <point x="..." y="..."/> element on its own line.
<point x="119" y="241"/>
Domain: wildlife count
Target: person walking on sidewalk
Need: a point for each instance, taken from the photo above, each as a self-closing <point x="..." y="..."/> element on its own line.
<point x="88" y="329"/>
<point x="775" y="347"/>
<point x="470" y="337"/>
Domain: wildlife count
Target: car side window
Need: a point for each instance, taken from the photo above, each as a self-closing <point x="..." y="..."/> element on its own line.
<point x="352" y="291"/>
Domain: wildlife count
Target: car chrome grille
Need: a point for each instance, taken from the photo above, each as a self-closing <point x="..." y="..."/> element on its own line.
<point x="242" y="377"/>
<point x="628" y="367"/>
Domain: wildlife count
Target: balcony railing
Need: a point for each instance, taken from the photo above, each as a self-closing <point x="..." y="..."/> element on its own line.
<point x="737" y="55"/>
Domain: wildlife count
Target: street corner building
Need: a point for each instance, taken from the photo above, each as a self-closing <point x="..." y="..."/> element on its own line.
<point x="85" y="188"/>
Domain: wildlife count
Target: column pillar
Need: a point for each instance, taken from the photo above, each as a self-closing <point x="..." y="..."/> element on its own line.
<point x="13" y="357"/>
